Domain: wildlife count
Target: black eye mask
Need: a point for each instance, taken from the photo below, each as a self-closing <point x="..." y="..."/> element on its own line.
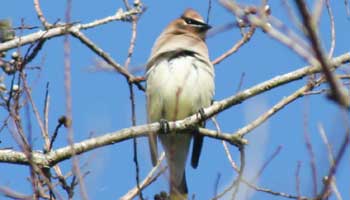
<point x="195" y="23"/>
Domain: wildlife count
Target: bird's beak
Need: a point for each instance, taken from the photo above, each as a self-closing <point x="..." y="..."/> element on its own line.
<point x="206" y="27"/>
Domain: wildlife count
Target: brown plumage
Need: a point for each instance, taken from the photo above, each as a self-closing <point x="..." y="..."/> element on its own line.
<point x="180" y="81"/>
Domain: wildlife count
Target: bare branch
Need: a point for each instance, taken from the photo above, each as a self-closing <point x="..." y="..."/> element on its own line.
<point x="235" y="184"/>
<point x="246" y="37"/>
<point x="332" y="27"/>
<point x="297" y="179"/>
<point x="46" y="118"/>
<point x="7" y="192"/>
<point x="131" y="78"/>
<point x="347" y="7"/>
<point x="327" y="144"/>
<point x="132" y="41"/>
<point x="266" y="163"/>
<point x="35" y="109"/>
<point x="150" y="178"/>
<point x="227" y="151"/>
<point x="330" y="159"/>
<point x="55" y="156"/>
<point x="338" y="91"/>
<point x="289" y="40"/>
<point x="133" y="122"/>
<point x="343" y="147"/>
<point x="317" y="11"/>
<point x="310" y="151"/>
<point x="285" y="101"/>
<point x="40" y="15"/>
<point x="64" y="153"/>
<point x="63" y="29"/>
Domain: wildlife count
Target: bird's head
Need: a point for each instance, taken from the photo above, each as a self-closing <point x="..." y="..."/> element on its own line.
<point x="190" y="22"/>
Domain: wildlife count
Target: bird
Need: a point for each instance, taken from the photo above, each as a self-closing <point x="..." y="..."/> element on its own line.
<point x="179" y="83"/>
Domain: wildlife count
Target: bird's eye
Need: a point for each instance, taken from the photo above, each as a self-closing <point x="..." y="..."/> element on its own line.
<point x="189" y="21"/>
<point x="192" y="22"/>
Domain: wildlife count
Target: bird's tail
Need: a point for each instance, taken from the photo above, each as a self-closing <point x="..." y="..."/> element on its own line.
<point x="179" y="191"/>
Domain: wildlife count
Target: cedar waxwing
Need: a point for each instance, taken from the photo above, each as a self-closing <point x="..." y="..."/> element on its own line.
<point x="180" y="82"/>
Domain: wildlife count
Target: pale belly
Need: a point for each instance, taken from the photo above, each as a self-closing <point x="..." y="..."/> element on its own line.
<point x="177" y="89"/>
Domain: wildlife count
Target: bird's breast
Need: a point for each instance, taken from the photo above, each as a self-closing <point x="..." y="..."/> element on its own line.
<point x="180" y="86"/>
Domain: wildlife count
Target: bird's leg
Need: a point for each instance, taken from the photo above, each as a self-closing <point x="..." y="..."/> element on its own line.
<point x="164" y="126"/>
<point x="202" y="116"/>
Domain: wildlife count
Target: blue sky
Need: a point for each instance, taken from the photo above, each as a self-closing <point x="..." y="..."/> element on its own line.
<point x="101" y="100"/>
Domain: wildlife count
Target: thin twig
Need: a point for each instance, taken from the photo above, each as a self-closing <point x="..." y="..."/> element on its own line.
<point x="48" y="142"/>
<point x="347" y="7"/>
<point x="330" y="159"/>
<point x="7" y="192"/>
<point x="291" y="14"/>
<point x="343" y="147"/>
<point x="40" y="15"/>
<point x="317" y="11"/>
<point x="61" y="121"/>
<point x="132" y="41"/>
<point x="34" y="167"/>
<point x="46" y="117"/>
<point x="227" y="151"/>
<point x="275" y="193"/>
<point x="235" y="184"/>
<point x="332" y="25"/>
<point x="208" y="11"/>
<point x="216" y="184"/>
<point x="76" y="33"/>
<point x="135" y="159"/>
<point x="288" y="39"/>
<point x="241" y="171"/>
<point x="316" y="92"/>
<point x="240" y="83"/>
<point x="35" y="109"/>
<point x="326" y="143"/>
<point x="266" y="163"/>
<point x="151" y="177"/>
<point x="297" y="179"/>
<point x="338" y="92"/>
<point x="251" y="185"/>
<point x="246" y="37"/>
<point x="281" y="104"/>
<point x="132" y="100"/>
<point x="126" y="3"/>
<point x="310" y="149"/>
<point x="232" y="139"/>
<point x="68" y="102"/>
<point x="34" y="179"/>
<point x="335" y="190"/>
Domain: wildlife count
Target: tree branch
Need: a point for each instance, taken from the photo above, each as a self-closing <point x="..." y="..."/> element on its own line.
<point x="339" y="94"/>
<point x="56" y="156"/>
<point x="60" y="30"/>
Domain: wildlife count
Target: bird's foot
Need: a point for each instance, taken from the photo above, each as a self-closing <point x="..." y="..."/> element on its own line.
<point x="164" y="126"/>
<point x="202" y="116"/>
<point x="162" y="196"/>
